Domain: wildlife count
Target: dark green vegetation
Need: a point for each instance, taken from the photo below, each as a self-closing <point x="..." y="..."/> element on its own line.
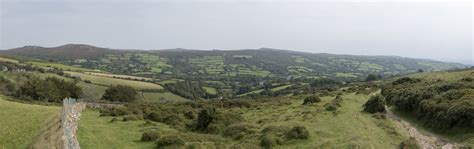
<point x="120" y="93"/>
<point x="443" y="103"/>
<point x="440" y="101"/>
<point x="375" y="104"/>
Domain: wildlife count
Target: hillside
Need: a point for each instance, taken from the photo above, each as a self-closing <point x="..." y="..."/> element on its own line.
<point x="218" y="64"/>
<point x="441" y="102"/>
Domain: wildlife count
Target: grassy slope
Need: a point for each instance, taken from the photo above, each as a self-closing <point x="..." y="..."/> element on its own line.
<point x="22" y="122"/>
<point x="99" y="132"/>
<point x="210" y="90"/>
<point x="350" y="128"/>
<point x="458" y="135"/>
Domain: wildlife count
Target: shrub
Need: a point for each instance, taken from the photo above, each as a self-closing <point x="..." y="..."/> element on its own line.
<point x="150" y="135"/>
<point x="154" y="116"/>
<point x="115" y="111"/>
<point x="409" y="144"/>
<point x="50" y="89"/>
<point x="120" y="93"/>
<point x="375" y="104"/>
<point x="334" y="104"/>
<point x="405" y="80"/>
<point x="189" y="115"/>
<point x="311" y="99"/>
<point x="298" y="132"/>
<point x="268" y="141"/>
<point x="169" y="140"/>
<point x="238" y="131"/>
<point x="205" y="117"/>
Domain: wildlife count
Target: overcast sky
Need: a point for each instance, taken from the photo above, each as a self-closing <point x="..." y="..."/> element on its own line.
<point x="434" y="30"/>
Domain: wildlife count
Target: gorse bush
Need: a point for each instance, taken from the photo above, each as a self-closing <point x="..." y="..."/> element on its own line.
<point x="440" y="104"/>
<point x="50" y="89"/>
<point x="311" y="99"/>
<point x="150" y="135"/>
<point x="205" y="117"/>
<point x="240" y="130"/>
<point x="120" y="93"/>
<point x="169" y="141"/>
<point x="375" y="104"/>
<point x="334" y="104"/>
<point x="298" y="132"/>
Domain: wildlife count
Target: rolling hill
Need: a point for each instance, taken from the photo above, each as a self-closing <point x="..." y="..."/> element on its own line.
<point x="219" y="64"/>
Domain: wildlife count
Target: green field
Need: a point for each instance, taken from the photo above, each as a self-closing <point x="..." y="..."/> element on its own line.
<point x="210" y="90"/>
<point x="113" y="81"/>
<point x="22" y="122"/>
<point x="8" y="60"/>
<point x="161" y="97"/>
<point x="59" y="66"/>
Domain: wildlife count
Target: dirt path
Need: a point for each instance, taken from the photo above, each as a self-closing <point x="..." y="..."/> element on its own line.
<point x="425" y="140"/>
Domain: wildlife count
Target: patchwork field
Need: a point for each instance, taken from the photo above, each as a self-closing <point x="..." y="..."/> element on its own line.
<point x="22" y="122"/>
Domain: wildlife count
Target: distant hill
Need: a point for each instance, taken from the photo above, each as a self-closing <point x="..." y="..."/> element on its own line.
<point x="263" y="62"/>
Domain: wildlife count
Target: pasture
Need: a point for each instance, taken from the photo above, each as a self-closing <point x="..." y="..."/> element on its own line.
<point x="22" y="122"/>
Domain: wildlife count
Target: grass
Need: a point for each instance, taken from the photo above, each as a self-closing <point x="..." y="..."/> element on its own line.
<point x="210" y="90"/>
<point x="98" y="132"/>
<point x="60" y="66"/>
<point x="167" y="96"/>
<point x="114" y="81"/>
<point x="8" y="60"/>
<point x="118" y="76"/>
<point x="22" y="122"/>
<point x="280" y="88"/>
<point x="349" y="128"/>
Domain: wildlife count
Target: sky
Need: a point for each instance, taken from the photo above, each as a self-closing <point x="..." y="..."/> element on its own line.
<point x="440" y="30"/>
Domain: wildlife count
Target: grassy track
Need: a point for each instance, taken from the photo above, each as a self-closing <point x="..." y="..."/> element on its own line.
<point x="20" y="123"/>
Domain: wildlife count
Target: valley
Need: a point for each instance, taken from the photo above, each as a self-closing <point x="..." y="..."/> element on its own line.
<point x="196" y="99"/>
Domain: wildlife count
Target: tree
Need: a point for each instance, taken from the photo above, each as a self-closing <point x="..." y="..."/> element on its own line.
<point x="205" y="117"/>
<point x="120" y="93"/>
<point x="420" y="70"/>
<point x="371" y="77"/>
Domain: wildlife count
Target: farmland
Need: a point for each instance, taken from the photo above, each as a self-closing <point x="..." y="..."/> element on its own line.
<point x="107" y="81"/>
